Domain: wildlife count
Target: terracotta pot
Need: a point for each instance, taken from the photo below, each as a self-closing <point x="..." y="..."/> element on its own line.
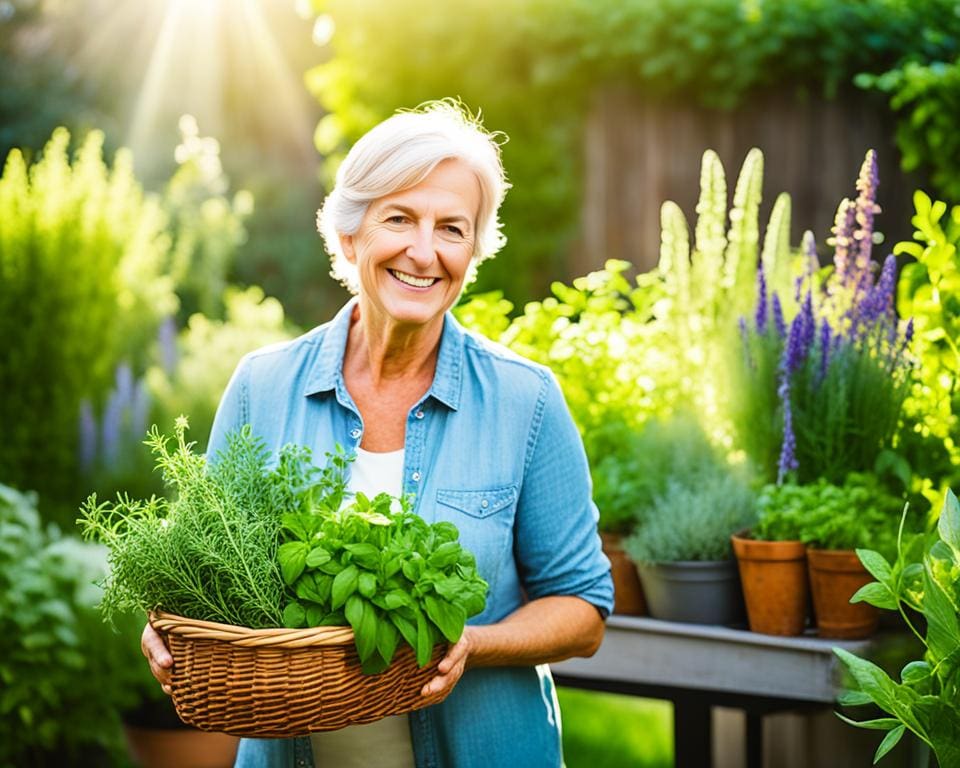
<point x="774" y="579"/>
<point x="627" y="592"/>
<point x="834" y="577"/>
<point x="180" y="748"/>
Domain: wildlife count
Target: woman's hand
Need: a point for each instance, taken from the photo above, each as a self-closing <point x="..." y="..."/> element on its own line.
<point x="451" y="668"/>
<point x="157" y="654"/>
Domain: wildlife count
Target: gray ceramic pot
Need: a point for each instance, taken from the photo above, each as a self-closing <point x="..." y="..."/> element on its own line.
<point x="694" y="592"/>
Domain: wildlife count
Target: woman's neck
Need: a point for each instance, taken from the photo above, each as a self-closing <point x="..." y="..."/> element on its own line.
<point x="387" y="352"/>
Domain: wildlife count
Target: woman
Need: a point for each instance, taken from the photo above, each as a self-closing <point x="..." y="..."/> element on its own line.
<point x="480" y="436"/>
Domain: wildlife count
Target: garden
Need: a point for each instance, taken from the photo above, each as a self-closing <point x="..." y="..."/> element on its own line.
<point x="769" y="400"/>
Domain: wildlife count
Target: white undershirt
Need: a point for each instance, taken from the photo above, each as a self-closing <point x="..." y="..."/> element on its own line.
<point x="385" y="743"/>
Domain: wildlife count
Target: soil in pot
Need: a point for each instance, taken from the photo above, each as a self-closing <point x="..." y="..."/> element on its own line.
<point x="835" y="575"/>
<point x="693" y="592"/>
<point x="628" y="597"/>
<point x="774" y="579"/>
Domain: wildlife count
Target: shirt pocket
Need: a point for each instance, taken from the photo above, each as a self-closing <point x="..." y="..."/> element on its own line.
<point x="485" y="520"/>
<point x="479" y="504"/>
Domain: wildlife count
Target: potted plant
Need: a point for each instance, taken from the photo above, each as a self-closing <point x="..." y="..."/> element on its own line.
<point x="834" y="521"/>
<point x="682" y="546"/>
<point x="771" y="559"/>
<point x="925" y="578"/>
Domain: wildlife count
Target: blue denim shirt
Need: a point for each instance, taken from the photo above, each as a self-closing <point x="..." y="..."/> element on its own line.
<point x="491" y="448"/>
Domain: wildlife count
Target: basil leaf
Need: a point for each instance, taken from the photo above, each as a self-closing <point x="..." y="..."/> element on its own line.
<point x="344" y="585"/>
<point x="448" y="617"/>
<point x="318" y="556"/>
<point x="294" y="616"/>
<point x="292" y="557"/>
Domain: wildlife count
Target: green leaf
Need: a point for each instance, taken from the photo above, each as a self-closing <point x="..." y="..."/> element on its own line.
<point x="915" y="672"/>
<point x="880" y="724"/>
<point x="876" y="564"/>
<point x="364" y="554"/>
<point x="889" y="742"/>
<point x="344" y="585"/>
<point x="949" y="524"/>
<point x="407" y="628"/>
<point x="387" y="637"/>
<point x="424" y="646"/>
<point x="294" y="616"/>
<point x="854" y="698"/>
<point x="943" y="626"/>
<point x="315" y="615"/>
<point x="317" y="557"/>
<point x="449" y="618"/>
<point x="367" y="584"/>
<point x="876" y="594"/>
<point x="353" y="611"/>
<point x="292" y="557"/>
<point x="444" y="555"/>
<point x="367" y="638"/>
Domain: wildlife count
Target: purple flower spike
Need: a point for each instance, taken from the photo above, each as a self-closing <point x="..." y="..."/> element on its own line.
<point x="88" y="437"/>
<point x="809" y="326"/>
<point x="826" y="337"/>
<point x="778" y="322"/>
<point x="788" y="449"/>
<point x="760" y="319"/>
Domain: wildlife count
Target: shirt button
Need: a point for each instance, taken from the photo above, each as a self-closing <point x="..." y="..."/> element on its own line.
<point x="416" y="477"/>
<point x="355" y="433"/>
<point x="484" y="503"/>
<point x="419" y="414"/>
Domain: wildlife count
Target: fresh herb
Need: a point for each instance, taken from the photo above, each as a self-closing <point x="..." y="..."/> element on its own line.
<point x="925" y="699"/>
<point x="247" y="545"/>
<point x="385" y="572"/>
<point x="210" y="552"/>
<point x="858" y="513"/>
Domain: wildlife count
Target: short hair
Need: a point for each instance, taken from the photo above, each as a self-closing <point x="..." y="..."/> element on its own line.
<point x="398" y="154"/>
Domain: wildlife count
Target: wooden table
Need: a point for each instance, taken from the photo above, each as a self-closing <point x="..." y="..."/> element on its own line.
<point x="698" y="667"/>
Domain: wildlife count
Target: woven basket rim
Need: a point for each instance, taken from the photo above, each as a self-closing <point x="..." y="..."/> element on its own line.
<point x="274" y="637"/>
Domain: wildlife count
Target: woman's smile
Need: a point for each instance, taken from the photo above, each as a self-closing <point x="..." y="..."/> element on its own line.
<point x="412" y="281"/>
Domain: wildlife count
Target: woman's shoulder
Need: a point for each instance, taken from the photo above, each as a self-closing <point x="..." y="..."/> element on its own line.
<point x="508" y="366"/>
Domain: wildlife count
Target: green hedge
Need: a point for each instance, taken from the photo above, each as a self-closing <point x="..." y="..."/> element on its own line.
<point x="532" y="65"/>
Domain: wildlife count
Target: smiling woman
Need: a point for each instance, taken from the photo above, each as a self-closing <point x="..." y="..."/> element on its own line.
<point x="479" y="437"/>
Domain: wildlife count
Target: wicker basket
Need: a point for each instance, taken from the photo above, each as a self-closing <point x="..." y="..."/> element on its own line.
<point x="283" y="682"/>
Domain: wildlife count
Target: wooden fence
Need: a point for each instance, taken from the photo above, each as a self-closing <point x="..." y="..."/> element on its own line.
<point x="638" y="153"/>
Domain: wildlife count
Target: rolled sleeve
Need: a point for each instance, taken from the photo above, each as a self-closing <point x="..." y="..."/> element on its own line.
<point x="556" y="541"/>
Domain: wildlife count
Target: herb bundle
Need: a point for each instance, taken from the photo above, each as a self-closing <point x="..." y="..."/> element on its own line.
<point x="243" y="544"/>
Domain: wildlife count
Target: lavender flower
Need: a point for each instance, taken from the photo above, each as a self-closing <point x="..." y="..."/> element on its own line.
<point x="808" y="323"/>
<point x="88" y="437"/>
<point x="167" y="340"/>
<point x="826" y="334"/>
<point x="760" y="319"/>
<point x="778" y="321"/>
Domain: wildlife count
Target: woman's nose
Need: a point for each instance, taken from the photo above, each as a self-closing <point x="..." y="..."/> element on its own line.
<point x="420" y="249"/>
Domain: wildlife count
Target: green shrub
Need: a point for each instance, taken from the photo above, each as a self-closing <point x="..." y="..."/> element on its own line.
<point x="82" y="253"/>
<point x="65" y="674"/>
<point x="857" y="513"/>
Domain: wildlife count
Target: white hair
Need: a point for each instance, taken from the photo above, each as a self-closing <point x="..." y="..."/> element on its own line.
<point x="398" y="154"/>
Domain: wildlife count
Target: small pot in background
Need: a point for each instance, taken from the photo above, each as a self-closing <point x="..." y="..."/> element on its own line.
<point x="774" y="579"/>
<point x="693" y="592"/>
<point x="835" y="575"/>
<point x="628" y="597"/>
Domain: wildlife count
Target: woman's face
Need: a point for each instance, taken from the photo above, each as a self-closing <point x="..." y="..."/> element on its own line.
<point x="413" y="248"/>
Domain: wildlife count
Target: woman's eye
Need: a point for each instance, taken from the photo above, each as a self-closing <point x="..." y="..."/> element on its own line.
<point x="397" y="219"/>
<point x="454" y="230"/>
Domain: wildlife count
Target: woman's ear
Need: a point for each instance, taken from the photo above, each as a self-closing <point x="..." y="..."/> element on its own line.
<point x="346" y="246"/>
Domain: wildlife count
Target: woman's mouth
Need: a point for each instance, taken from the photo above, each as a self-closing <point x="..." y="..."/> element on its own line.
<point x="412" y="280"/>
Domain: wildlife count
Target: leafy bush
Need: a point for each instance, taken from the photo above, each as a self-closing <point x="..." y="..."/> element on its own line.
<point x="858" y="513"/>
<point x="925" y="701"/>
<point x="927" y="292"/>
<point x="926" y="97"/>
<point x="534" y="77"/>
<point x="65" y="674"/>
<point x="693" y="517"/>
<point x="81" y="287"/>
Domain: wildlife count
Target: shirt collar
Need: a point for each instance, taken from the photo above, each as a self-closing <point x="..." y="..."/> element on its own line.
<point x="328" y="367"/>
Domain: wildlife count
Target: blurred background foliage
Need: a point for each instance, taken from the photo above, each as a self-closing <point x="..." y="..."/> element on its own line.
<point x="164" y="162"/>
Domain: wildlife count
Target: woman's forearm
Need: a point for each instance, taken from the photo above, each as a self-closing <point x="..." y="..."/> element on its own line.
<point x="544" y="630"/>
